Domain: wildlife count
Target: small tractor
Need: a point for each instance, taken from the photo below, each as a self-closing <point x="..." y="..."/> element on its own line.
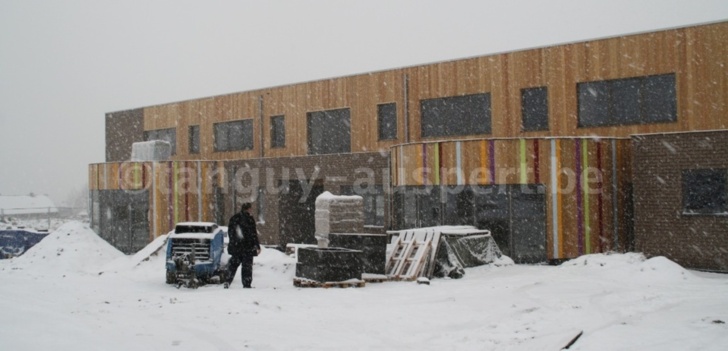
<point x="194" y="252"/>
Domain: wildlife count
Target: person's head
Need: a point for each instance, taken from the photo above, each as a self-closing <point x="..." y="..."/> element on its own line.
<point x="246" y="207"/>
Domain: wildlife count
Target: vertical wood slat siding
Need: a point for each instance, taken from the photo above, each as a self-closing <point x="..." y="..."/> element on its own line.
<point x="697" y="55"/>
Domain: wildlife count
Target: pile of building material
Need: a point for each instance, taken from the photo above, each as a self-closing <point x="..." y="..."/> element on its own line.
<point x="338" y="214"/>
<point x="328" y="267"/>
<point x="438" y="251"/>
<point x="325" y="266"/>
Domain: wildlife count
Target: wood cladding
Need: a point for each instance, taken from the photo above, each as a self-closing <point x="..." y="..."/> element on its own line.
<point x="698" y="56"/>
<point x="179" y="191"/>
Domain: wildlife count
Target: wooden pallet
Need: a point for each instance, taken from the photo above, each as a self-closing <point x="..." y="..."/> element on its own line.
<point x="308" y="283"/>
<point x="409" y="257"/>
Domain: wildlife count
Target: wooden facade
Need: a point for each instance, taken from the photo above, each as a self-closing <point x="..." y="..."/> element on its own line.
<point x="586" y="171"/>
<point x="698" y="56"/>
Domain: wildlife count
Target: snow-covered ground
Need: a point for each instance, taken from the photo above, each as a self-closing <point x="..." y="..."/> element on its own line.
<point x="73" y="291"/>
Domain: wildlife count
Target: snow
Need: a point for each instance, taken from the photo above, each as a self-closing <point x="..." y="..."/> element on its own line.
<point x="196" y="236"/>
<point x="73" y="291"/>
<point x="197" y="224"/>
<point x="327" y="196"/>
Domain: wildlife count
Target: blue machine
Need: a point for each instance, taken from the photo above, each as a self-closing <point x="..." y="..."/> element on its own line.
<point x="194" y="253"/>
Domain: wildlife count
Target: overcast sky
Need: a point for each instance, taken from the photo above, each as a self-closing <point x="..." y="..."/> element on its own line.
<point x="64" y="64"/>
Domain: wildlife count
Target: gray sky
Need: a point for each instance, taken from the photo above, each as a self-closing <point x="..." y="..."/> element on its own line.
<point x="64" y="64"/>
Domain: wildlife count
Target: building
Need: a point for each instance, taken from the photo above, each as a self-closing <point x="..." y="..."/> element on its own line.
<point x="27" y="207"/>
<point x="542" y="146"/>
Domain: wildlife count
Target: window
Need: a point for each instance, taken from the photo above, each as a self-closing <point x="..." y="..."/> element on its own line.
<point x="535" y="109"/>
<point x="373" y="197"/>
<point x="457" y="115"/>
<point x="387" y="121"/>
<point x="233" y="136"/>
<point x="329" y="132"/>
<point x="705" y="191"/>
<point x="639" y="100"/>
<point x="169" y="135"/>
<point x="416" y="207"/>
<point x="278" y="131"/>
<point x="194" y="139"/>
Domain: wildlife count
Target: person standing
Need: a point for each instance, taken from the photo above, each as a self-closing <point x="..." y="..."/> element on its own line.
<point x="243" y="245"/>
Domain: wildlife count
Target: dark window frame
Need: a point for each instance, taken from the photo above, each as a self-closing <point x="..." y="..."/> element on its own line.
<point x="329" y="131"/>
<point x="535" y="109"/>
<point x="438" y="114"/>
<point x="277" y="132"/>
<point x="159" y="134"/>
<point x="194" y="139"/>
<point x="225" y="129"/>
<point x="705" y="192"/>
<point x="387" y="121"/>
<point x="639" y="100"/>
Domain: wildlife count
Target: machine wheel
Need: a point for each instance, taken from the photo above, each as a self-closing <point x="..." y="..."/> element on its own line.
<point x="171" y="278"/>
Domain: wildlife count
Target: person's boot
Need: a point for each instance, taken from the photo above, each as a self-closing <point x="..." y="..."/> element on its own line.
<point x="226" y="285"/>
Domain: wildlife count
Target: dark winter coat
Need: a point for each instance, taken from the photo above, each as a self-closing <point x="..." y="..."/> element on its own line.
<point x="243" y="235"/>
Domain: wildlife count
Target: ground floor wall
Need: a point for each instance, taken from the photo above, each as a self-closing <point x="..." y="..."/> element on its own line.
<point x="543" y="198"/>
<point x="122" y="218"/>
<point x="284" y="190"/>
<point x="681" y="197"/>
<point x="131" y="203"/>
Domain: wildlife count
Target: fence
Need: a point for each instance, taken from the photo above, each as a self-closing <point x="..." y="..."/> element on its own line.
<point x="37" y="215"/>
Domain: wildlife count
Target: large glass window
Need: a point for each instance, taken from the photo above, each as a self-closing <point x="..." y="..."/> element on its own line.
<point x="233" y="136"/>
<point x="417" y="207"/>
<point x="640" y="100"/>
<point x="169" y="135"/>
<point x="456" y="115"/>
<point x="535" y="109"/>
<point x="277" y="131"/>
<point x="705" y="191"/>
<point x="329" y="132"/>
<point x="194" y="141"/>
<point x="387" y="121"/>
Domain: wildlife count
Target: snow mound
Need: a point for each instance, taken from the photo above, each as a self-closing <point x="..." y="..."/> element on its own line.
<point x="606" y="261"/>
<point x="73" y="247"/>
<point x="273" y="257"/>
<point x="633" y="267"/>
<point x="503" y="261"/>
<point x="272" y="269"/>
<point x="149" y="253"/>
<point x="157" y="246"/>
<point x="661" y="269"/>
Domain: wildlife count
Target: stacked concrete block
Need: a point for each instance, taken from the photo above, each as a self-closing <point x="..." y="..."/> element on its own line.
<point x="331" y="264"/>
<point x="338" y="214"/>
<point x="373" y="247"/>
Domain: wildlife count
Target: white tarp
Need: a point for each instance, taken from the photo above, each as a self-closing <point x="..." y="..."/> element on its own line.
<point x="154" y="150"/>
